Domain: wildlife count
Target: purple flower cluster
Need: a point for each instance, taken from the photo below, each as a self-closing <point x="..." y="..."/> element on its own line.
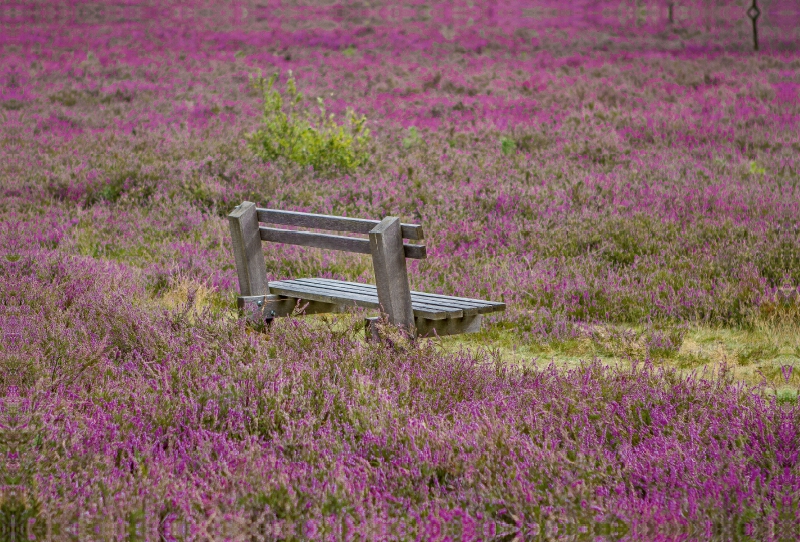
<point x="590" y="163"/>
<point x="117" y="417"/>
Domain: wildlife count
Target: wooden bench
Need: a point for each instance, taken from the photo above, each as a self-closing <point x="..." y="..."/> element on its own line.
<point x="418" y="313"/>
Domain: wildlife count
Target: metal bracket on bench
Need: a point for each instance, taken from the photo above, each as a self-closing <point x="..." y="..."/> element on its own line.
<point x="263" y="308"/>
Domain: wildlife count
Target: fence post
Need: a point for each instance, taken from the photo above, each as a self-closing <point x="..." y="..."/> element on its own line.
<point x="754" y="13"/>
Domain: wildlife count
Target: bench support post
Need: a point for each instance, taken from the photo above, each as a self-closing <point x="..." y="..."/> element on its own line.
<point x="247" y="251"/>
<point x="391" y="276"/>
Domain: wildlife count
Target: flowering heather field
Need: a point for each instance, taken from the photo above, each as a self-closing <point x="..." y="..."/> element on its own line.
<point x="626" y="184"/>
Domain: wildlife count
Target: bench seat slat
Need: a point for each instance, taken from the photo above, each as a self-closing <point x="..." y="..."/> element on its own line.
<point x="454" y="307"/>
<point x="482" y="306"/>
<point x="426" y="294"/>
<point x="425" y="310"/>
<point x="329" y="295"/>
<point x="333" y="223"/>
<point x="496" y="305"/>
<point x="453" y="310"/>
<point x="286" y="288"/>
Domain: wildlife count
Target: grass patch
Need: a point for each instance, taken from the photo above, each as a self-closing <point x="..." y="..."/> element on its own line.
<point x="752" y="356"/>
<point x="787" y="396"/>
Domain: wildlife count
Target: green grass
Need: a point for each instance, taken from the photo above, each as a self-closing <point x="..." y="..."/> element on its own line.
<point x="752" y="356"/>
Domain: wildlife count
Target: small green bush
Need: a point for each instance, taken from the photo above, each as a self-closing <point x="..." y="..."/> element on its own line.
<point x="413" y="139"/>
<point x="508" y="145"/>
<point x="304" y="137"/>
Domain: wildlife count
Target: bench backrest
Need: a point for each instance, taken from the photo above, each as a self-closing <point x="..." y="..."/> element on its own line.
<point x="385" y="244"/>
<point x="335" y="223"/>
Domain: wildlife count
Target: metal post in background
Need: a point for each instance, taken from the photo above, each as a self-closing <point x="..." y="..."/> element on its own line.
<point x="754" y="13"/>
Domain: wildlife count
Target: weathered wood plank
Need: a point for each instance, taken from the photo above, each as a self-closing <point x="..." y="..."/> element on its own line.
<point x="331" y="242"/>
<point x="479" y="302"/>
<point x="303" y="286"/>
<point x="342" y="286"/>
<point x="432" y="328"/>
<point x="490" y="305"/>
<point x="451" y="326"/>
<point x="431" y="298"/>
<point x="326" y="296"/>
<point x="415" y="252"/>
<point x="440" y="310"/>
<point x="391" y="277"/>
<point x="247" y="252"/>
<point x="442" y="296"/>
<point x="469" y="306"/>
<point x="316" y="240"/>
<point x="464" y="308"/>
<point x="366" y="299"/>
<point x="335" y="223"/>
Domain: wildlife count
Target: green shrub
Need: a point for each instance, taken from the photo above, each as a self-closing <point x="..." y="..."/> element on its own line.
<point x="508" y="145"/>
<point x="413" y="139"/>
<point x="309" y="139"/>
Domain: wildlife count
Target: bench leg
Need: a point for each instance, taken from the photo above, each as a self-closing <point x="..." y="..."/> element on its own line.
<point x="391" y="276"/>
<point x="250" y="265"/>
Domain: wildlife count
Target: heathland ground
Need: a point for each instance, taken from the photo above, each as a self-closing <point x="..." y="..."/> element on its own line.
<point x="629" y="188"/>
